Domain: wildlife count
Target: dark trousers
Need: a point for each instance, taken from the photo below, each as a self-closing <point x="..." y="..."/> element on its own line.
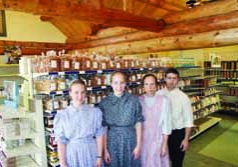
<point x="175" y="152"/>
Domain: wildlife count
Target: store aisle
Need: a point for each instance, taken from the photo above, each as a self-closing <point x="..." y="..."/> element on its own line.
<point x="219" y="141"/>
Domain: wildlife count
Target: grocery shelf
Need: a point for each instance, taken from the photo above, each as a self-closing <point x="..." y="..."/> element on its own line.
<point x="104" y="71"/>
<point x="30" y="135"/>
<point x="208" y="123"/>
<point x="26" y="161"/>
<point x="56" y="164"/>
<point x="27" y="149"/>
<point x="10" y="113"/>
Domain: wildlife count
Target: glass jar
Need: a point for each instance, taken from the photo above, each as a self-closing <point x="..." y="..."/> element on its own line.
<point x="76" y="63"/>
<point x="86" y="63"/>
<point x="64" y="102"/>
<point x="54" y="63"/>
<point x="61" y="83"/>
<point x="66" y="63"/>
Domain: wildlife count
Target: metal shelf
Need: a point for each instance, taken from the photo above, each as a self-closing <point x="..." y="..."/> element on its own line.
<point x="212" y="121"/>
<point x="10" y="113"/>
<point x="27" y="149"/>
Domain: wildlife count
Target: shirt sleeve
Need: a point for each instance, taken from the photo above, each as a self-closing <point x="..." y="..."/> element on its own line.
<point x="101" y="107"/>
<point x="187" y="113"/>
<point x="99" y="128"/>
<point x="138" y="111"/>
<point x="58" y="128"/>
<point x="166" y="117"/>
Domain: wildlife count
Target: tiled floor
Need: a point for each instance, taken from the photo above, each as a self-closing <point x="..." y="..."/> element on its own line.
<point x="195" y="159"/>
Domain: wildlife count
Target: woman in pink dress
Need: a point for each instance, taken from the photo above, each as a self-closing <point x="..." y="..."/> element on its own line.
<point x="157" y="125"/>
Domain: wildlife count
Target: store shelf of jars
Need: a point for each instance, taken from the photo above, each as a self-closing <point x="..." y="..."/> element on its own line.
<point x="56" y="88"/>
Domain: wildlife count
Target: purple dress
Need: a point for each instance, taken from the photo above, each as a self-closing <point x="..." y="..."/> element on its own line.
<point x="76" y="128"/>
<point x="157" y="122"/>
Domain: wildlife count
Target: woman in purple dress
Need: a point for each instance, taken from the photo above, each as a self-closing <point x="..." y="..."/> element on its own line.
<point x="75" y="129"/>
<point x="157" y="125"/>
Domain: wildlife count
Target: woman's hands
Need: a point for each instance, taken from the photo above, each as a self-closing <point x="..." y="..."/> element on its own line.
<point x="98" y="162"/>
<point x="136" y="152"/>
<point x="164" y="149"/>
<point x="107" y="157"/>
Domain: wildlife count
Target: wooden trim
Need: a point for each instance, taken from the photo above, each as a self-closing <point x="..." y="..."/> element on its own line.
<point x="32" y="48"/>
<point x="4" y="29"/>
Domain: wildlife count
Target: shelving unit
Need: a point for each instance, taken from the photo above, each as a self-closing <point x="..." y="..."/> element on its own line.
<point x="204" y="100"/>
<point x="204" y="124"/>
<point x="227" y="77"/>
<point x="23" y="144"/>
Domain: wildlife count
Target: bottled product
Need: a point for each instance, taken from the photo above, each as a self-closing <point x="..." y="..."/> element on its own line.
<point x="76" y="63"/>
<point x="66" y="63"/>
<point x="54" y="63"/>
<point x="61" y="83"/>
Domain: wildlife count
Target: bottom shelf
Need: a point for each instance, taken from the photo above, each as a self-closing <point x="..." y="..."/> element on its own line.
<point x="21" y="161"/>
<point x="205" y="123"/>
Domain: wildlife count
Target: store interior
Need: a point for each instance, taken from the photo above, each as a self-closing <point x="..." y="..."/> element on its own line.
<point x="40" y="56"/>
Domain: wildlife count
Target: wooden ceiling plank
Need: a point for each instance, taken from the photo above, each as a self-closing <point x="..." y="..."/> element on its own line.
<point x="210" y="9"/>
<point x="162" y="4"/>
<point x="100" y="16"/>
<point x="212" y="23"/>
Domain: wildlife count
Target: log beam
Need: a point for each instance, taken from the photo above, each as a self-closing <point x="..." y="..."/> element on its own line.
<point x="190" y="27"/>
<point x="32" y="48"/>
<point x="85" y="12"/>
<point x="210" y="9"/>
<point x="181" y="42"/>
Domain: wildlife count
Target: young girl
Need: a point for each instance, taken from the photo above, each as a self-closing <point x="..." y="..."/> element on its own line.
<point x="157" y="125"/>
<point x="75" y="128"/>
<point x="122" y="115"/>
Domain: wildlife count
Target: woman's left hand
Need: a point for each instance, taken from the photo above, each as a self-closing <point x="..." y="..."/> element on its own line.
<point x="98" y="162"/>
<point x="164" y="149"/>
<point x="136" y="152"/>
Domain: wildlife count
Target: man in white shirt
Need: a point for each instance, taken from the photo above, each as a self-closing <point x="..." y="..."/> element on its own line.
<point x="182" y="118"/>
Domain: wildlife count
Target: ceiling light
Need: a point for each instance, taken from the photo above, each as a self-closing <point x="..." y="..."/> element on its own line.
<point x="191" y="3"/>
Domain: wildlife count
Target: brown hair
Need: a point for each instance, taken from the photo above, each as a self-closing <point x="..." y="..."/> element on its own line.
<point x="149" y="75"/>
<point x="77" y="81"/>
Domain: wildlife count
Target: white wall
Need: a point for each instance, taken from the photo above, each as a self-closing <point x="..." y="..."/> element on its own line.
<point x="27" y="27"/>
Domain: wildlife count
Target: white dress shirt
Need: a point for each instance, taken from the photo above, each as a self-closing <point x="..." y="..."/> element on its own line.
<point x="181" y="109"/>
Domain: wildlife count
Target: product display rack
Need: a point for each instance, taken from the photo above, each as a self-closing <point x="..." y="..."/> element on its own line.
<point x="24" y="145"/>
<point x="133" y="86"/>
<point x="204" y="100"/>
<point x="227" y="79"/>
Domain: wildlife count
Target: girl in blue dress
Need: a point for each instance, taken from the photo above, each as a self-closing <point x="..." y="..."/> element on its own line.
<point x="78" y="131"/>
<point x="122" y="115"/>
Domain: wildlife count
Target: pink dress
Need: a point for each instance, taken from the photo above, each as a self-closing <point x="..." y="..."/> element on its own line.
<point x="157" y="122"/>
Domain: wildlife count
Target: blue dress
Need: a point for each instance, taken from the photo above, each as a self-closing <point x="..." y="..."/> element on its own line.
<point x="76" y="128"/>
<point x="120" y="114"/>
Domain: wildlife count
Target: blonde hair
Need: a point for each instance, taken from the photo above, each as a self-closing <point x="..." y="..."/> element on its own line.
<point x="119" y="72"/>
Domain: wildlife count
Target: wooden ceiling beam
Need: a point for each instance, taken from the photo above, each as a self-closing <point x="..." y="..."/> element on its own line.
<point x="212" y="23"/>
<point x="84" y="12"/>
<point x="210" y="9"/>
<point x="210" y="39"/>
<point x="162" y="4"/>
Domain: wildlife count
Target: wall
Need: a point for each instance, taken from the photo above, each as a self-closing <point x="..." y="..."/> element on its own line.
<point x="27" y="27"/>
